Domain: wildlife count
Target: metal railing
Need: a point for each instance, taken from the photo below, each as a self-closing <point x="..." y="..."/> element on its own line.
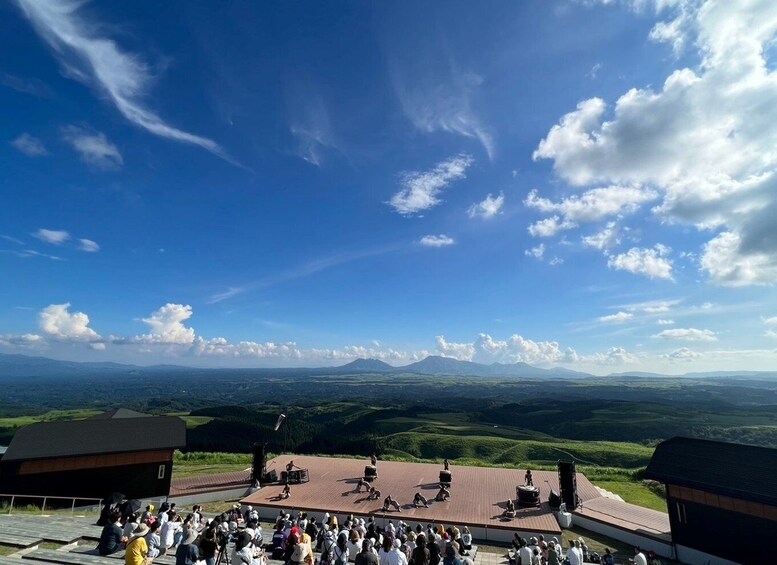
<point x="46" y="498"/>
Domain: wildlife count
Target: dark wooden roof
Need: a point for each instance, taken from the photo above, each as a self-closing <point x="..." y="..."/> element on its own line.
<point x="740" y="471"/>
<point x="45" y="440"/>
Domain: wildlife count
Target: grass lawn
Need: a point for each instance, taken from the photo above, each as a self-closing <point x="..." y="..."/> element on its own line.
<point x="181" y="471"/>
<point x="7" y="550"/>
<point x="634" y="493"/>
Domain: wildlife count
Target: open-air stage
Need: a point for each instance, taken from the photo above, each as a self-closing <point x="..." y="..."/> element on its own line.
<point x="478" y="495"/>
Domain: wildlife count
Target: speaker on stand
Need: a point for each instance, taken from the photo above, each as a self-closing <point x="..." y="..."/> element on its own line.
<point x="567" y="480"/>
<point x="259" y="463"/>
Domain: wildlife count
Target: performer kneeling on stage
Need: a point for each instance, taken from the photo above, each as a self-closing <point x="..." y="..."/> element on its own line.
<point x="286" y="493"/>
<point x="390" y="502"/>
<point x="362" y="483"/>
<point x="510" y="510"/>
<point x="374" y="494"/>
<point x="420" y="499"/>
<point x="442" y="495"/>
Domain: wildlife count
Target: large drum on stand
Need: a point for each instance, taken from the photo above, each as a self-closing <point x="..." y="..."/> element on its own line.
<point x="370" y="473"/>
<point x="445" y="479"/>
<point x="528" y="496"/>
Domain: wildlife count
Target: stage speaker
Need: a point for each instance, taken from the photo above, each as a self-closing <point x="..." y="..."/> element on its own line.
<point x="554" y="500"/>
<point x="445" y="478"/>
<point x="259" y="462"/>
<point x="567" y="480"/>
<point x="271" y="477"/>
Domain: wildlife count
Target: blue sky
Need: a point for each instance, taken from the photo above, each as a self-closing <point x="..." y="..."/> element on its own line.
<point x="579" y="183"/>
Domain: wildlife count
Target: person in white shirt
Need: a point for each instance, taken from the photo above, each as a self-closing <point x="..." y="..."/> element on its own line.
<point x="639" y="557"/>
<point x="524" y="554"/>
<point x="574" y="555"/>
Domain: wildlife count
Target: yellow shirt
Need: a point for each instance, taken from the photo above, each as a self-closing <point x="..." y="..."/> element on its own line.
<point x="136" y="553"/>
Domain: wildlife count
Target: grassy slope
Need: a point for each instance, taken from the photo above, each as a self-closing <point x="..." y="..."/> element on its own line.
<point x="635" y="492"/>
<point x="504" y="451"/>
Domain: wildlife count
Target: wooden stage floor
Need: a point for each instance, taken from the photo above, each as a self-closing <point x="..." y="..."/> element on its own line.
<point x="478" y="494"/>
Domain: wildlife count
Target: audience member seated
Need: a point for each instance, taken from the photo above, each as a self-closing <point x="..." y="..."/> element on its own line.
<point x="112" y="535"/>
<point x="137" y="549"/>
<point x="153" y="541"/>
<point x="188" y="553"/>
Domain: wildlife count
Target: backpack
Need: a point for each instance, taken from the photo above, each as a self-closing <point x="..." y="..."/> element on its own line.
<point x="341" y="559"/>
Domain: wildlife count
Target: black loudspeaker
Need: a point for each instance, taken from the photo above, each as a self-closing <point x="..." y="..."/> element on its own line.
<point x="271" y="477"/>
<point x="567" y="480"/>
<point x="554" y="500"/>
<point x="259" y="462"/>
<point x="445" y="478"/>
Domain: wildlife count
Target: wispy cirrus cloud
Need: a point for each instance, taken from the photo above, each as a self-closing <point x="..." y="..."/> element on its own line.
<point x="435" y="92"/>
<point x="26" y="85"/>
<point x="301" y="271"/>
<point x="29" y="145"/>
<point x="310" y="122"/>
<point x="94" y="148"/>
<point x="97" y="60"/>
<point x="421" y="190"/>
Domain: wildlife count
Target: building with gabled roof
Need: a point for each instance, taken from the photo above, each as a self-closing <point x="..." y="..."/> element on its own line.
<point x="721" y="497"/>
<point x="117" y="451"/>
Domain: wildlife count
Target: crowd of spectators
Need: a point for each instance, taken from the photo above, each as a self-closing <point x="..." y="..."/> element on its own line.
<point x="296" y="540"/>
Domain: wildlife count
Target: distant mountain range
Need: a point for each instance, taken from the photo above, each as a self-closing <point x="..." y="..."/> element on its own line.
<point x="14" y="365"/>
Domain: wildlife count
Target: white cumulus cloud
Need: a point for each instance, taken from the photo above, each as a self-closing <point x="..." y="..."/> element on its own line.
<point x="594" y="204"/>
<point x="664" y="322"/>
<point x="688" y="334"/>
<point x="58" y="322"/>
<point x="604" y="240"/>
<point x="537" y="252"/>
<point x="420" y="190"/>
<point x="166" y="326"/>
<point x="436" y="241"/>
<point x="549" y="227"/>
<point x="652" y="263"/>
<point x="704" y="139"/>
<point x="682" y="354"/>
<point x="488" y="208"/>
<point x="617" y="318"/>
